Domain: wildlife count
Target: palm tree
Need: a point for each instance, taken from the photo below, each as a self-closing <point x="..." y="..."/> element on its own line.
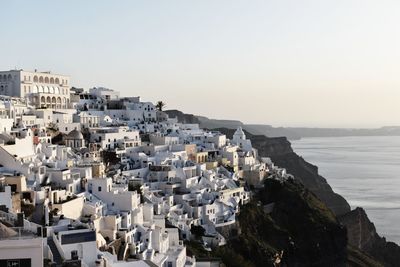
<point x="160" y="105"/>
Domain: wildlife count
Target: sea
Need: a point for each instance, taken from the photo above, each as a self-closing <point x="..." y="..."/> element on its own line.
<point x="365" y="171"/>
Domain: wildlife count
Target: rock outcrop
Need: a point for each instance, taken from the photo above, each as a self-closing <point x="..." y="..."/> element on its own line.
<point x="362" y="235"/>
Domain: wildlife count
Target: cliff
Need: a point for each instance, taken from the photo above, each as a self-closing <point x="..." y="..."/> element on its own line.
<point x="362" y="235"/>
<point x="300" y="231"/>
<point x="328" y="210"/>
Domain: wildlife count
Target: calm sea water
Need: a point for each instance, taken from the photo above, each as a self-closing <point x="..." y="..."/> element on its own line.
<point x="365" y="170"/>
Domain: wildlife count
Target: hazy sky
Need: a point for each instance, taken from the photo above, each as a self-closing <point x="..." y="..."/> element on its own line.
<point x="290" y="63"/>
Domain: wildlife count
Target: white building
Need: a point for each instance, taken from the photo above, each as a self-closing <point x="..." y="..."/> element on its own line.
<point x="43" y="89"/>
<point x="239" y="138"/>
<point x="105" y="93"/>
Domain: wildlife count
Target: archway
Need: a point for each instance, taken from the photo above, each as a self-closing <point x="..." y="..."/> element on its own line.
<point x="58" y="102"/>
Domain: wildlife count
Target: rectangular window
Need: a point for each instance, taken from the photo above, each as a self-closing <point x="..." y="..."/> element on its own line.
<point x="99" y="189"/>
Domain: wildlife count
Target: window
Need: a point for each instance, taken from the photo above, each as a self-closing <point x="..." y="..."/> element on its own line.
<point x="99" y="189"/>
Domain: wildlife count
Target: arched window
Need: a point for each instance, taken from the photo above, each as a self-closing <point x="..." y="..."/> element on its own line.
<point x="41" y="79"/>
<point x="57" y="81"/>
<point x="48" y="99"/>
<point x="9" y="77"/>
<point x="4" y="77"/>
<point x="46" y="80"/>
<point x="42" y="99"/>
<point x="53" y="100"/>
<point x="35" y="79"/>
<point x="51" y="80"/>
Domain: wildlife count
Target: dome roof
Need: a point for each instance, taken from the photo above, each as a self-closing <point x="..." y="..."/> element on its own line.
<point x="75" y="134"/>
<point x="239" y="134"/>
<point x="239" y="131"/>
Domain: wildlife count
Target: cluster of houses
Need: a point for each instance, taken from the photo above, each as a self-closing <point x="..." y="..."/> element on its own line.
<point x="97" y="179"/>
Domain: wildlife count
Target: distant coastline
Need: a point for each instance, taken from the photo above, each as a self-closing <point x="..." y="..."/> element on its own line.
<point x="291" y="133"/>
<point x="296" y="133"/>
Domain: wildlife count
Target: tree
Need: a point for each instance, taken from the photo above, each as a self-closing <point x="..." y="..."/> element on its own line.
<point x="160" y="105"/>
<point x="198" y="231"/>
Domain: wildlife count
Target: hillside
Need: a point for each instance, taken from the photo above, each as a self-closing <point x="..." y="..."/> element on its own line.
<point x="372" y="251"/>
<point x="300" y="231"/>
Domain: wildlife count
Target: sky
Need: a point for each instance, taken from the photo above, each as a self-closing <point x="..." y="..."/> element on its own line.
<point x="284" y="62"/>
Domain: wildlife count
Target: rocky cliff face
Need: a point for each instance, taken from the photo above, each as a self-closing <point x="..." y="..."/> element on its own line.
<point x="300" y="231"/>
<point x="361" y="232"/>
<point x="362" y="235"/>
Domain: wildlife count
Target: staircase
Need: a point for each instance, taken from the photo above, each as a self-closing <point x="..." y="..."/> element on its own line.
<point x="56" y="254"/>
